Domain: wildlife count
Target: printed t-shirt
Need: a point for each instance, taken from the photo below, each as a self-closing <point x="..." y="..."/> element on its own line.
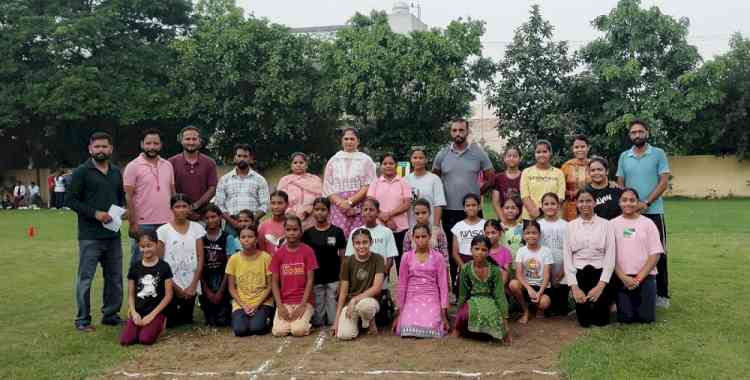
<point x="215" y="259"/>
<point x="636" y="239"/>
<point x="383" y="242"/>
<point x="464" y="232"/>
<point x="250" y="277"/>
<point x="554" y="235"/>
<point x="180" y="252"/>
<point x="507" y="187"/>
<point x="536" y="182"/>
<point x="271" y="234"/>
<point x="292" y="268"/>
<point x="533" y="263"/>
<point x="149" y="285"/>
<point x="360" y="275"/>
<point x="607" y="201"/>
<point x="326" y="245"/>
<point x="428" y="187"/>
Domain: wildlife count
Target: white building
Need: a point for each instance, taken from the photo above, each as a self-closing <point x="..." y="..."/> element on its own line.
<point x="401" y="20"/>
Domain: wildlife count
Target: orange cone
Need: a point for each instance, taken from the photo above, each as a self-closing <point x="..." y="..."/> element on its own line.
<point x="31" y="231"/>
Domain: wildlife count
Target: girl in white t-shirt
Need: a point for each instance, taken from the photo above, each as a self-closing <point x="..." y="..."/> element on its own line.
<point x="465" y="230"/>
<point x="533" y="267"/>
<point x="182" y="244"/>
<point x="554" y="234"/>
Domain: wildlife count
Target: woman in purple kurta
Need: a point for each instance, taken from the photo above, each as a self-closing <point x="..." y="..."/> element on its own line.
<point x="422" y="290"/>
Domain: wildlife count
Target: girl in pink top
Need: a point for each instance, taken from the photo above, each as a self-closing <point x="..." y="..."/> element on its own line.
<point x="638" y="250"/>
<point x="303" y="188"/>
<point x="498" y="252"/>
<point x="394" y="195"/>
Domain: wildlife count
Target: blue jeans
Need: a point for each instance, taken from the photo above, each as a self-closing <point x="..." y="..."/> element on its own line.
<point x="637" y="305"/>
<point x="135" y="252"/>
<point x="108" y="253"/>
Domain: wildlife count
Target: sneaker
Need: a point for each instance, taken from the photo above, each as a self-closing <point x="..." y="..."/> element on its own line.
<point x="85" y="328"/>
<point x="662" y="302"/>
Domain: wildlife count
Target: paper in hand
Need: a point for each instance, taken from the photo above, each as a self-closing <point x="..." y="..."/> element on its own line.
<point x="116" y="213"/>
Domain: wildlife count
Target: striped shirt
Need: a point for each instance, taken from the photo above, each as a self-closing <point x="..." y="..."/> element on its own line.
<point x="235" y="193"/>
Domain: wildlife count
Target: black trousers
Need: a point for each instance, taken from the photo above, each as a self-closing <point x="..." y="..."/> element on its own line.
<point x="662" y="276"/>
<point x="180" y="311"/>
<point x="216" y="314"/>
<point x="596" y="313"/>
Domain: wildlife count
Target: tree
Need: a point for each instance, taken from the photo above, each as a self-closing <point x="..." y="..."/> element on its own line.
<point x="247" y="80"/>
<point x="722" y="87"/>
<point x="401" y="90"/>
<point x="530" y="94"/>
<point x="633" y="71"/>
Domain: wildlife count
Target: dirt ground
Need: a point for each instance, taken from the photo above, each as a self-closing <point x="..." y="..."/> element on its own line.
<point x="203" y="352"/>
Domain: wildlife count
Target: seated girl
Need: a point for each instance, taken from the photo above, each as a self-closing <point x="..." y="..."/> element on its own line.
<point x="360" y="282"/>
<point x="422" y="290"/>
<point x="482" y="307"/>
<point x="533" y="267"/>
<point x="249" y="283"/>
<point x="149" y="293"/>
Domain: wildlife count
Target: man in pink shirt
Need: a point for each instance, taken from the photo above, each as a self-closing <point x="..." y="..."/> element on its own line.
<point x="149" y="184"/>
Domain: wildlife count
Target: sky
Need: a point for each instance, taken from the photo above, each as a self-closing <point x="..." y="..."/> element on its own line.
<point x="712" y="23"/>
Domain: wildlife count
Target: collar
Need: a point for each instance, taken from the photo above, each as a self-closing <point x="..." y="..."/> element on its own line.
<point x="250" y="173"/>
<point x="188" y="163"/>
<point x="142" y="159"/>
<point x="452" y="147"/>
<point x="390" y="181"/>
<point x="90" y="165"/>
<point x="631" y="152"/>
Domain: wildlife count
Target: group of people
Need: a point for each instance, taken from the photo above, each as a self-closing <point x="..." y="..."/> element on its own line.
<point x="325" y="255"/>
<point x="21" y="195"/>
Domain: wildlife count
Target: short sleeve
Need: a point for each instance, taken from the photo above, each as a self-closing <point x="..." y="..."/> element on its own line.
<point x="547" y="257"/>
<point x="438" y="163"/>
<point x="171" y="173"/>
<point x="390" y="250"/>
<point x="340" y="239"/>
<point x="276" y="262"/>
<point x="560" y="184"/>
<point x="379" y="264"/>
<point x="456" y="228"/>
<point x="663" y="163"/>
<point x="267" y="263"/>
<point x="485" y="162"/>
<point x="371" y="189"/>
<point x="213" y="178"/>
<point x="654" y="240"/>
<point x="131" y="273"/>
<point x="233" y="245"/>
<point x="162" y="233"/>
<point x="620" y="169"/>
<point x="349" y="246"/>
<point x="166" y="273"/>
<point x="520" y="255"/>
<point x="344" y="273"/>
<point x="438" y="192"/>
<point x="230" y="269"/>
<point x="129" y="176"/>
<point x="311" y="263"/>
<point x="198" y="231"/>
<point x="525" y="190"/>
<point x="405" y="189"/>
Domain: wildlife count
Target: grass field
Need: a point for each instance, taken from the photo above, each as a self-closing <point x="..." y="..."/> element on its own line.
<point x="706" y="333"/>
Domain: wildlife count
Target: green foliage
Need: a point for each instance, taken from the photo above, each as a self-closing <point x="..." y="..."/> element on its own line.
<point x="403" y="89"/>
<point x="634" y="71"/>
<point x="247" y="80"/>
<point x="531" y="93"/>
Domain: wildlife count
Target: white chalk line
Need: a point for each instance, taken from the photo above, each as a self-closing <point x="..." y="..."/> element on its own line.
<point x="267" y="364"/>
<point x="262" y="371"/>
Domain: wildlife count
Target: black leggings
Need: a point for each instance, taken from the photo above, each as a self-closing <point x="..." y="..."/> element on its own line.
<point x="596" y="313"/>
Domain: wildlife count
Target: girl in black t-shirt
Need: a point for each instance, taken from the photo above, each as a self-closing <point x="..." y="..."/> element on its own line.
<point x="606" y="195"/>
<point x="149" y="293"/>
<point x="218" y="245"/>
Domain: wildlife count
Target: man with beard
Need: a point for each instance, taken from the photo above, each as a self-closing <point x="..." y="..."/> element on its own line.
<point x="645" y="169"/>
<point x="149" y="183"/>
<point x="95" y="186"/>
<point x="194" y="172"/>
<point x="242" y="188"/>
<point x="459" y="165"/>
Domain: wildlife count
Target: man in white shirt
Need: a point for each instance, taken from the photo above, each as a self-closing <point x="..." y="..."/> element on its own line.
<point x="19" y="194"/>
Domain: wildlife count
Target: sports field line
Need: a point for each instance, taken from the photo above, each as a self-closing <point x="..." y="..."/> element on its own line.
<point x="262" y="371"/>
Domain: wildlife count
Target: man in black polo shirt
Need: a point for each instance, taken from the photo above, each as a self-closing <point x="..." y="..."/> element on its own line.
<point x="95" y="186"/>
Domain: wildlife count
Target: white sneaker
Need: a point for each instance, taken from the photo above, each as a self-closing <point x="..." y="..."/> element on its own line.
<point x="662" y="302"/>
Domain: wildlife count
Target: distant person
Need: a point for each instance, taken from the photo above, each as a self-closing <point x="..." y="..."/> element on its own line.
<point x="345" y="180"/>
<point x="19" y="194"/>
<point x="303" y="189"/>
<point x="182" y="244"/>
<point x="249" y="278"/>
<point x="51" y="190"/>
<point x="508" y="183"/>
<point x="645" y="168"/>
<point x="459" y="165"/>
<point x="539" y="179"/>
<point x="422" y="290"/>
<point x="149" y="294"/>
<point x="59" y="190"/>
<point x="194" y="172"/>
<point x="576" y="175"/>
<point x="242" y="189"/>
<point x="149" y="185"/>
<point x="482" y="306"/>
<point x="35" y="199"/>
<point x="360" y="283"/>
<point x="96" y="186"/>
<point x="606" y="196"/>
<point x="638" y="251"/>
<point x="293" y="269"/>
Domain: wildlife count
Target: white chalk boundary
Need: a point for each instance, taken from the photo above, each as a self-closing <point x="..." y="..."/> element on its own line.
<point x="264" y="369"/>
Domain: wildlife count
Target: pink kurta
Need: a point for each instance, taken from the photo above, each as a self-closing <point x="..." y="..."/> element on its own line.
<point x="302" y="191"/>
<point x="422" y="294"/>
<point x="346" y="173"/>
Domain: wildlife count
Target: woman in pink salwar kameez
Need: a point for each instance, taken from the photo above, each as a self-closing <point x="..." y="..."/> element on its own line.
<point x="347" y="176"/>
<point x="303" y="188"/>
<point x="422" y="290"/>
